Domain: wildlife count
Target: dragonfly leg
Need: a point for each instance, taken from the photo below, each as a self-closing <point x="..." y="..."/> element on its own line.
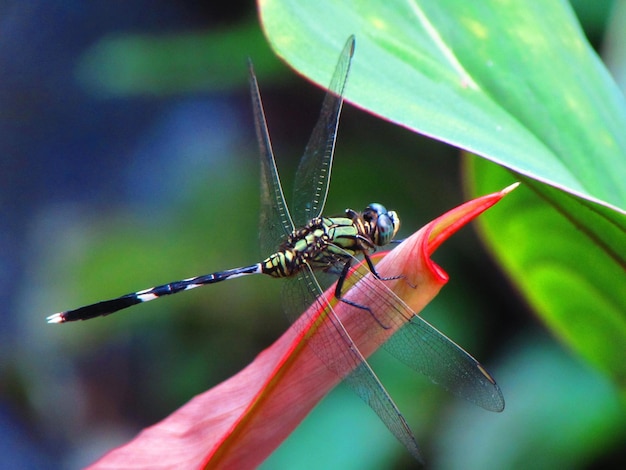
<point x="340" y="297"/>
<point x="370" y="264"/>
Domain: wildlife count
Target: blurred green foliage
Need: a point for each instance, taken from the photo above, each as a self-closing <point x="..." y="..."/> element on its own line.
<point x="559" y="412"/>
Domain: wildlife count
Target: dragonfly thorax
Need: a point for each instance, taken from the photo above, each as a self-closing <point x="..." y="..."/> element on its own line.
<point x="325" y="242"/>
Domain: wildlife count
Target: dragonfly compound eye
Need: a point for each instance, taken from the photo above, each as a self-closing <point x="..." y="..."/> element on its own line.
<point x="386" y="228"/>
<point x="385" y="224"/>
<point x="373" y="211"/>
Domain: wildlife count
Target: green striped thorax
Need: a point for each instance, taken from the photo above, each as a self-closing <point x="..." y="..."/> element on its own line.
<point x="326" y="240"/>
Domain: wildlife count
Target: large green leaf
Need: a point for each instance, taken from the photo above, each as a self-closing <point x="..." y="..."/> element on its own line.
<point x="505" y="80"/>
<point x="546" y="242"/>
<point x="517" y="83"/>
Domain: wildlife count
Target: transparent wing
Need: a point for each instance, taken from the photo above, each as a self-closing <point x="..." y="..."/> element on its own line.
<point x="275" y="223"/>
<point x="424" y="348"/>
<point x="336" y="349"/>
<point x="313" y="175"/>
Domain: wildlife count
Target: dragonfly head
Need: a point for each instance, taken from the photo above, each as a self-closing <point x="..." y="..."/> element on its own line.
<point x="383" y="224"/>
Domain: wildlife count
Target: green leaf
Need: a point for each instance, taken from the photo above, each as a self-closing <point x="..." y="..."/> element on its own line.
<point x="516" y="83"/>
<point x="504" y="81"/>
<point x="566" y="260"/>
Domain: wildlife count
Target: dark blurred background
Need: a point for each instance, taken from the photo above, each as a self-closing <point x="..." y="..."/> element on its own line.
<point x="128" y="159"/>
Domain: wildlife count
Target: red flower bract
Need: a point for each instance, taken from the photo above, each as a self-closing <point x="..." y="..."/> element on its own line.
<point x="239" y="422"/>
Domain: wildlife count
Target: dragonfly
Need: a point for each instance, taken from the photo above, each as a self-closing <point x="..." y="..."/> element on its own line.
<point x="308" y="249"/>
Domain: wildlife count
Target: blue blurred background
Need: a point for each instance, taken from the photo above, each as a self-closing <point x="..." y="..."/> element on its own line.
<point x="128" y="159"/>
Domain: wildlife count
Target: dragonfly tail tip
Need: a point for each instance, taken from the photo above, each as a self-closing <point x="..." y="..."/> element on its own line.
<point x="56" y="318"/>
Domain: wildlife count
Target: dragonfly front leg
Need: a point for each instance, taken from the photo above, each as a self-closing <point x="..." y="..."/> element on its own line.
<point x="370" y="264"/>
<point x="339" y="288"/>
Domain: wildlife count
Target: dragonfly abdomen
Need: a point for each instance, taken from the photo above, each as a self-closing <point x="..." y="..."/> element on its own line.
<point x="107" y="307"/>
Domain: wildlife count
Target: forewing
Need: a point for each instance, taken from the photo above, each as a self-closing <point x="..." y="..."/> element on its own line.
<point x="275" y="220"/>
<point x="313" y="175"/>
